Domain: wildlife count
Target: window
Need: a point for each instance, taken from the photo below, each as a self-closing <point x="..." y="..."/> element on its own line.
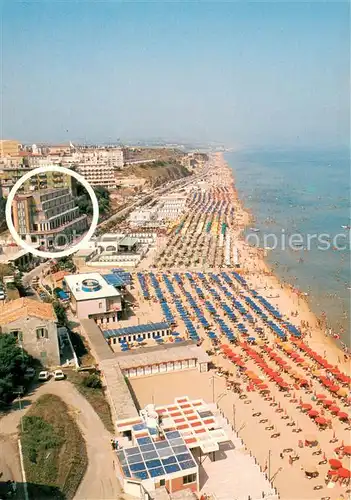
<point x="162" y="482"/>
<point x="17" y="334"/>
<point x="42" y="333"/>
<point x="190" y="478"/>
<point x="100" y="305"/>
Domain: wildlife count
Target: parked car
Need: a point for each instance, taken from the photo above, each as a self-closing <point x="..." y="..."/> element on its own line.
<point x="59" y="375"/>
<point x="44" y="375"/>
<point x="29" y="373"/>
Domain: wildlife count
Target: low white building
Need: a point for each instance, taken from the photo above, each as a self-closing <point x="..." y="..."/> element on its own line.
<point x="92" y="296"/>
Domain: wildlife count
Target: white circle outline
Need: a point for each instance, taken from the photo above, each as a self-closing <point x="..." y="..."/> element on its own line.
<point x="29" y="248"/>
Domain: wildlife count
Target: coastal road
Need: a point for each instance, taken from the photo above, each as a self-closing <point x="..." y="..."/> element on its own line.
<point x="100" y="481"/>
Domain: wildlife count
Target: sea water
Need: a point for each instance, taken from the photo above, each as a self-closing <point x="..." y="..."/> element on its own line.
<point x="306" y="193"/>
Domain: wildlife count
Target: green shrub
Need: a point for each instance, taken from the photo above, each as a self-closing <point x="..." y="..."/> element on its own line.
<point x="93" y="381"/>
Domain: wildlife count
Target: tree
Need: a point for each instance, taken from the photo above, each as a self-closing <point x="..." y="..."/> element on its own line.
<point x="13" y="363"/>
<point x="60" y="314"/>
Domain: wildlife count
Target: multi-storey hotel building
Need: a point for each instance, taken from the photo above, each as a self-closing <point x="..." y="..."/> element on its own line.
<point x="98" y="174"/>
<point x="49" y="217"/>
<point x="98" y="166"/>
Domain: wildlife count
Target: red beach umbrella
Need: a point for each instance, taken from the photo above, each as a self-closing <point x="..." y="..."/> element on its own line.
<point x="334" y="388"/>
<point x="342" y="415"/>
<point x="321" y="396"/>
<point x="347" y="450"/>
<point x="313" y="413"/>
<point x="334" y="409"/>
<point x="344" y="473"/>
<point x="306" y="406"/>
<point x="334" y="463"/>
<point x="321" y="421"/>
<point x="327" y="402"/>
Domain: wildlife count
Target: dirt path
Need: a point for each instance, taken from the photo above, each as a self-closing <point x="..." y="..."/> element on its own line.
<point x="99" y="482"/>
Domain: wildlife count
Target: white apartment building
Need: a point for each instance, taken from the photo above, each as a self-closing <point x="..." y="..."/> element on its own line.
<point x="98" y="166"/>
<point x="98" y="174"/>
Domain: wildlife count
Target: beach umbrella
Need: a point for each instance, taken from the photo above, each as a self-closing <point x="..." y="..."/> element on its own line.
<point x="321" y="421"/>
<point x="327" y="402"/>
<point x="334" y="388"/>
<point x="334" y="463"/>
<point x="313" y="413"/>
<point x="344" y="473"/>
<point x="321" y="396"/>
<point x="306" y="406"/>
<point x="342" y="415"/>
<point x="334" y="409"/>
<point x="347" y="450"/>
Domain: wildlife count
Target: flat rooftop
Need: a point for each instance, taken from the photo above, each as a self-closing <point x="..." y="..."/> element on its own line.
<point x="90" y="286"/>
<point x="163" y="353"/>
<point x="128" y="241"/>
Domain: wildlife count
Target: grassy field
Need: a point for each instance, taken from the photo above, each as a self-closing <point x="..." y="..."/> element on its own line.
<point x="54" y="450"/>
<point x="96" y="397"/>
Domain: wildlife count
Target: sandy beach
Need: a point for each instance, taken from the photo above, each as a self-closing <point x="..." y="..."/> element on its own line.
<point x="282" y="408"/>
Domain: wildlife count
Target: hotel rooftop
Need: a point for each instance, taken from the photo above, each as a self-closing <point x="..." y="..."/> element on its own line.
<point x="90" y="286"/>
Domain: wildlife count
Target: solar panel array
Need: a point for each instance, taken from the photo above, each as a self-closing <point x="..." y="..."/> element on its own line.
<point x="151" y="459"/>
<point x="132" y="330"/>
<point x="114" y="280"/>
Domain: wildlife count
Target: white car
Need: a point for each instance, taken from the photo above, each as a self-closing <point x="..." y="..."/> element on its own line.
<point x="44" y="375"/>
<point x="59" y="375"/>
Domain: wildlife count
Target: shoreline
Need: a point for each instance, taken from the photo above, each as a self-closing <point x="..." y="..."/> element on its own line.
<point x="259" y="274"/>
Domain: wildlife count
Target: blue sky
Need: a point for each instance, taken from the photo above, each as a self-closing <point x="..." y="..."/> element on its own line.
<point x="246" y="74"/>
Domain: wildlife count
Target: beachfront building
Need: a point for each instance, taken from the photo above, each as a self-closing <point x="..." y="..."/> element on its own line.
<point x="48" y="217"/>
<point x="116" y="249"/>
<point x="34" y="326"/>
<point x="161" y="359"/>
<point x="93" y="295"/>
<point x="137" y="333"/>
<point x="160" y="454"/>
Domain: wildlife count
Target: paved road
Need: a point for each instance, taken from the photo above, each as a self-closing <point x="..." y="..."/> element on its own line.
<point x="99" y="482"/>
<point x="28" y="278"/>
